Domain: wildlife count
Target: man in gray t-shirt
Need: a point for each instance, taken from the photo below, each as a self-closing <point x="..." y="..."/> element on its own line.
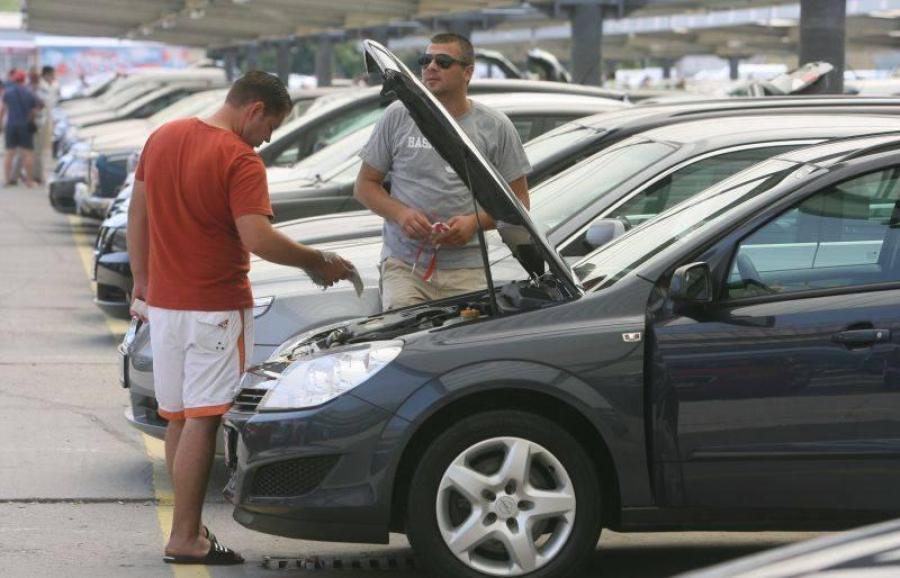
<point x="421" y="259"/>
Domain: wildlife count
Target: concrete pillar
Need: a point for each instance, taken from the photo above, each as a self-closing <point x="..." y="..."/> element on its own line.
<point x="324" y="52"/>
<point x="283" y="61"/>
<point x="230" y="59"/>
<point x="823" y="26"/>
<point x="587" y="35"/>
<point x="667" y="64"/>
<point x="733" y="63"/>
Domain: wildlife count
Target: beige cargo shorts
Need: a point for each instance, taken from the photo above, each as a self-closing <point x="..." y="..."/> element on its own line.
<point x="400" y="287"/>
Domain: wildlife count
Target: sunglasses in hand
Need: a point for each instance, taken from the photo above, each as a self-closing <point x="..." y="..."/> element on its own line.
<point x="445" y="61"/>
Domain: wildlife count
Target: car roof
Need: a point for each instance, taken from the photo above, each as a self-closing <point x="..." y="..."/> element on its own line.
<point x="779" y="126"/>
<point x="725" y="105"/>
<point x="539" y="101"/>
<point x="840" y="150"/>
<point x="519" y="85"/>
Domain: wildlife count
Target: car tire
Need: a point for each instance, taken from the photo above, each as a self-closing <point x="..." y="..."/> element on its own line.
<point x="556" y="513"/>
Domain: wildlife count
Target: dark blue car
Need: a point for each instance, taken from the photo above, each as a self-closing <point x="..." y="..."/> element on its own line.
<point x="733" y="363"/>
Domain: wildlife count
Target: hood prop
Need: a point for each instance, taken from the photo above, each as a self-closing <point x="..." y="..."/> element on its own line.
<point x="482" y="244"/>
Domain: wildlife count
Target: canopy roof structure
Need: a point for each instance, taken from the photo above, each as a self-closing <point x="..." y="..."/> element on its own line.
<point x="631" y="28"/>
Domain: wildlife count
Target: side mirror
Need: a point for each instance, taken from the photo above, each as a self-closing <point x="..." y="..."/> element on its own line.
<point x="602" y="231"/>
<point x="692" y="283"/>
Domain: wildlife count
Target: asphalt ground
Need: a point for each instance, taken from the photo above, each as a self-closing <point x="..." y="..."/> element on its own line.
<point x="84" y="494"/>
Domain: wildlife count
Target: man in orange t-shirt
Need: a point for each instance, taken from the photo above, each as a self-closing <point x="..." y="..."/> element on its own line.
<point x="200" y="205"/>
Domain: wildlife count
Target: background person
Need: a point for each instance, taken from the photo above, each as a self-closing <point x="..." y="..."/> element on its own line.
<point x="19" y="106"/>
<point x="425" y="190"/>
<point x="200" y="203"/>
<point x="48" y="93"/>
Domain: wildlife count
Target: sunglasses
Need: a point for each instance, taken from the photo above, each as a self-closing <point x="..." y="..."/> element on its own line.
<point x="445" y="61"/>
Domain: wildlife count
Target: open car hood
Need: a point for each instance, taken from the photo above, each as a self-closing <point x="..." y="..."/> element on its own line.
<point x="492" y="193"/>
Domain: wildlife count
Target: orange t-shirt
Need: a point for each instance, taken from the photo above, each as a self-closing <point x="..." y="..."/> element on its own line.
<point x="199" y="179"/>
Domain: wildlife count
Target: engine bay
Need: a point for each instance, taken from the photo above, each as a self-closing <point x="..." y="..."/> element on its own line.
<point x="511" y="298"/>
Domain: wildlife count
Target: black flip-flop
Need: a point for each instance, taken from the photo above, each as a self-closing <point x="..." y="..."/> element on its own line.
<point x="218" y="555"/>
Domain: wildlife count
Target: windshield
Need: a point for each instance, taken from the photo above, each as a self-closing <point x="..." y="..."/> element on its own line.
<point x="608" y="264"/>
<point x="573" y="190"/>
<point x="186" y="107"/>
<point x="323" y="161"/>
<point x="559" y="139"/>
<point x="345" y="172"/>
<point x="126" y="95"/>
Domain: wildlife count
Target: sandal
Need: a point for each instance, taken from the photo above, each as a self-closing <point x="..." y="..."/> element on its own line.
<point x="218" y="555"/>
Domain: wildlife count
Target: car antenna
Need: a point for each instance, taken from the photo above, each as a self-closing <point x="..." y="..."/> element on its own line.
<point x="492" y="296"/>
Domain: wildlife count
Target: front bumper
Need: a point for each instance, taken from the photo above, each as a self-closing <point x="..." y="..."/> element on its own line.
<point x="114" y="284"/>
<point x="62" y="193"/>
<point x="94" y="207"/>
<point x="315" y="474"/>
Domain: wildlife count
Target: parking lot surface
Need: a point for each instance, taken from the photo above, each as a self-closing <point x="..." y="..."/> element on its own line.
<point x="83" y="494"/>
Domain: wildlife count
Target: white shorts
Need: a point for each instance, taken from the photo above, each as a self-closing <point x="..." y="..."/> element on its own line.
<point x="198" y="359"/>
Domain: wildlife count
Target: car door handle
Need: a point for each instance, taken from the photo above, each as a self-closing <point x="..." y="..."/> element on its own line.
<point x="862" y="336"/>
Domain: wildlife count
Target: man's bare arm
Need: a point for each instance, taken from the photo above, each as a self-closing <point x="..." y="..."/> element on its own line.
<point x="370" y="191"/>
<point x="260" y="238"/>
<point x="138" y="239"/>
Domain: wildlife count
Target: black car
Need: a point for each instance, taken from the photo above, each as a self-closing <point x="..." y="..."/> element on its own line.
<point x="867" y="552"/>
<point x="733" y="363"/>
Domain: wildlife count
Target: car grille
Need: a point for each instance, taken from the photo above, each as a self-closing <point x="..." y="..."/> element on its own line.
<point x="104" y="237"/>
<point x="292" y="478"/>
<point x="249" y="398"/>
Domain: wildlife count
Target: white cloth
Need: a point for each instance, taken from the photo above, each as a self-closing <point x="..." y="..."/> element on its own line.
<point x="198" y="359"/>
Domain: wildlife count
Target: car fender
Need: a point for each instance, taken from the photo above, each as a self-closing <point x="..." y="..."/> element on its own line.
<point x="623" y="440"/>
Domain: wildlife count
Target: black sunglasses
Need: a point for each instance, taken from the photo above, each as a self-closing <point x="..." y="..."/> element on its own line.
<point x="445" y="61"/>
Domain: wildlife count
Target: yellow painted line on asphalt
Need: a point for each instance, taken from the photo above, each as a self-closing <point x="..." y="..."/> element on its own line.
<point x="154" y="448"/>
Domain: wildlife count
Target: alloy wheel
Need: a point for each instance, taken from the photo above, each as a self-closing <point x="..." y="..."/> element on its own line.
<point x="505" y="506"/>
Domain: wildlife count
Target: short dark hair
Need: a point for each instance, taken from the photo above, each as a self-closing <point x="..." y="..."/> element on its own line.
<point x="46" y="70"/>
<point x="259" y="86"/>
<point x="465" y="47"/>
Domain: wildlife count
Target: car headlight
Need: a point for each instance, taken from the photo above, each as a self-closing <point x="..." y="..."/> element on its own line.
<point x="313" y="381"/>
<point x="77" y="169"/>
<point x="132" y="162"/>
<point x="119" y="242"/>
<point x="261" y="305"/>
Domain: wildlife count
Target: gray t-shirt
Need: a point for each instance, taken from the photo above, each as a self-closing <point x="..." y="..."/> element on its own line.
<point x="420" y="178"/>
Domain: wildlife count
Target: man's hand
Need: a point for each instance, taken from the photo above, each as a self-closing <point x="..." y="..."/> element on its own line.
<point x="139" y="291"/>
<point x="414" y="224"/>
<point x="461" y="230"/>
<point x="332" y="269"/>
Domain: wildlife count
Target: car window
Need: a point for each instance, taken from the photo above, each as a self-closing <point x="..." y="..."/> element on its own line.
<point x="327" y="133"/>
<point x="678" y="225"/>
<point x="552" y="142"/>
<point x="525" y="126"/>
<point x="689" y="180"/>
<point x="572" y="191"/>
<point x="675" y="188"/>
<point x="843" y="236"/>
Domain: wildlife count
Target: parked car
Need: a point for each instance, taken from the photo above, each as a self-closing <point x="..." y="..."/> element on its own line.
<point x="102" y="166"/>
<point x="612" y="394"/>
<point x="297" y="193"/>
<point x="353" y="110"/>
<point x="580" y="209"/>
<point x="867" y="552"/>
<point x="584" y="207"/>
<point x="550" y="153"/>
